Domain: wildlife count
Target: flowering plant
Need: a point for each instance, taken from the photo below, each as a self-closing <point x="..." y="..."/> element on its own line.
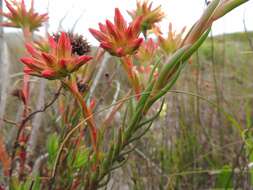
<point x="20" y="17"/>
<point x="57" y="63"/>
<point x="74" y="159"/>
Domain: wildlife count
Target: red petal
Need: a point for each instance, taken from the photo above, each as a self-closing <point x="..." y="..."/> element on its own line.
<point x="23" y="9"/>
<point x="49" y="59"/>
<point x="106" y="45"/>
<point x="84" y="58"/>
<point x="63" y="63"/>
<point x="135" y="45"/>
<point x="119" y="20"/>
<point x="135" y="26"/>
<point x="8" y="24"/>
<point x="27" y="70"/>
<point x="92" y="104"/>
<point x="64" y="45"/>
<point x="120" y="52"/>
<point x="81" y="61"/>
<point x="27" y="61"/>
<point x="112" y="30"/>
<point x="138" y="42"/>
<point x="48" y="73"/>
<point x="102" y="28"/>
<point x="32" y="64"/>
<point x="11" y="9"/>
<point x="32" y="50"/>
<point x="98" y="35"/>
<point x="52" y="42"/>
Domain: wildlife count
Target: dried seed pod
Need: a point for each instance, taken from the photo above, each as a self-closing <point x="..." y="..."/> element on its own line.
<point x="19" y="94"/>
<point x="80" y="46"/>
<point x="82" y="86"/>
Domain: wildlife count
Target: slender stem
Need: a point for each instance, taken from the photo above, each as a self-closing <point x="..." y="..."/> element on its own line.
<point x="27" y="37"/>
<point x="87" y="113"/>
<point x="25" y="116"/>
<point x="22" y="126"/>
<point x="127" y="63"/>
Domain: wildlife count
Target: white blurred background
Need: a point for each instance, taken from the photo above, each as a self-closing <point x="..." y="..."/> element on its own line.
<point x="179" y="12"/>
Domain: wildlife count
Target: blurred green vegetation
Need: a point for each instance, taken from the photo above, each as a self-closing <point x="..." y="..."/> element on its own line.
<point x="193" y="143"/>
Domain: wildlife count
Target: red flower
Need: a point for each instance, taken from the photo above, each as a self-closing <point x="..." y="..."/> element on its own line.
<point x="57" y="63"/>
<point x="20" y="17"/>
<point x="118" y="38"/>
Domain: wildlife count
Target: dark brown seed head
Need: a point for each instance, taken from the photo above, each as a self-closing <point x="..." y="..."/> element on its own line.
<point x="19" y="94"/>
<point x="80" y="46"/>
<point x="82" y="86"/>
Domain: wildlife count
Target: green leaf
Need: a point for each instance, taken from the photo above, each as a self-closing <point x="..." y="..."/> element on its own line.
<point x="251" y="175"/>
<point x="81" y="158"/>
<point x="196" y="45"/>
<point x="180" y="58"/>
<point x="168" y="67"/>
<point x="26" y="185"/>
<point x="224" y="178"/>
<point x="36" y="185"/>
<point x="70" y="158"/>
<point x="52" y="147"/>
<point x="14" y="185"/>
<point x="227" y="7"/>
<point x="248" y="116"/>
<point x="30" y="184"/>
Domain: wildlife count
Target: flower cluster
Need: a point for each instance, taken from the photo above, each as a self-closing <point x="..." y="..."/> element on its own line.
<point x="20" y="17"/>
<point x="170" y="44"/>
<point x="150" y="16"/>
<point x="147" y="51"/>
<point x="118" y="38"/>
<point x="146" y="56"/>
<point x="57" y="63"/>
